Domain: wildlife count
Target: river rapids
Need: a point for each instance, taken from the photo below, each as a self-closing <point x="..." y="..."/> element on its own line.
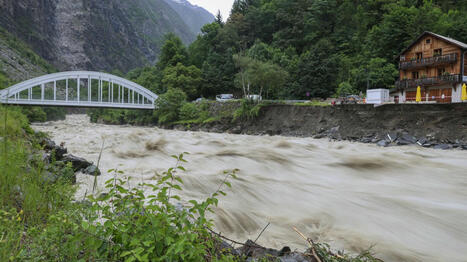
<point x="405" y="203"/>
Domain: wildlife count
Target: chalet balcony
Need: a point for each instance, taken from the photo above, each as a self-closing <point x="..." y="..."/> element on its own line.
<point x="429" y="61"/>
<point x="429" y="81"/>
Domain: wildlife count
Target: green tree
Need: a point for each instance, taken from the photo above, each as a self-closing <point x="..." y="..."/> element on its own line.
<point x="267" y="76"/>
<point x="316" y="72"/>
<point x="378" y="72"/>
<point x="173" y="52"/>
<point x="168" y="105"/>
<point x="345" y="88"/>
<point x="187" y="78"/>
<point x="150" y="78"/>
<point x="243" y="77"/>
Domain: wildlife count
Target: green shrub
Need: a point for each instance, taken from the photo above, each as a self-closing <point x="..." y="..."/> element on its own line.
<point x="13" y="122"/>
<point x="189" y="111"/>
<point x="248" y="110"/>
<point x="168" y="105"/>
<point x="127" y="224"/>
<point x="54" y="113"/>
<point x="35" y="114"/>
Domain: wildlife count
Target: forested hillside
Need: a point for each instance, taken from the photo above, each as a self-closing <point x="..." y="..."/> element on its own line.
<point x="295" y="48"/>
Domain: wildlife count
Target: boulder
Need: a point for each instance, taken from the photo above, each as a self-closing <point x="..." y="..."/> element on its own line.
<point x="334" y="130"/>
<point x="319" y="136"/>
<point x="443" y="146"/>
<point x="92" y="170"/>
<point x="402" y="142"/>
<point x="59" y="152"/>
<point x="47" y="144"/>
<point x="408" y="138"/>
<point x="295" y="257"/>
<point x="49" y="177"/>
<point x="383" y="143"/>
<point x="78" y="163"/>
<point x="392" y="136"/>
<point x="235" y="130"/>
<point x="422" y="141"/>
<point x="255" y="251"/>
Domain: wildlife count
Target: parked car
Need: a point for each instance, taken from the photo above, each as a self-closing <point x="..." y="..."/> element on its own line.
<point x="254" y="97"/>
<point x="199" y="100"/>
<point x="224" y="97"/>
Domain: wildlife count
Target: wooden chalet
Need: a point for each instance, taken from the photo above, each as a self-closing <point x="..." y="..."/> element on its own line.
<point x="437" y="64"/>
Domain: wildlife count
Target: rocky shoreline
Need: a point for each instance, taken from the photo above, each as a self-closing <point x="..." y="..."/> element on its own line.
<point x="56" y="157"/>
<point x="441" y="126"/>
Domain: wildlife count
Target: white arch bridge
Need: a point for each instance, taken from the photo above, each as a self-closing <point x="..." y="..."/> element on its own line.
<point x="79" y="89"/>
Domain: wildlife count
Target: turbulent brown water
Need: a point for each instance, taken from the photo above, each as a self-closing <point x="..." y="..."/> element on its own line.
<point x="407" y="203"/>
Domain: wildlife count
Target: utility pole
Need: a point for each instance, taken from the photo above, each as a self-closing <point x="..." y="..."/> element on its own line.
<point x="367" y="79"/>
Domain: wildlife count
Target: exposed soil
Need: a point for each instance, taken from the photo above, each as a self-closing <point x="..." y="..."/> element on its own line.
<point x="438" y="123"/>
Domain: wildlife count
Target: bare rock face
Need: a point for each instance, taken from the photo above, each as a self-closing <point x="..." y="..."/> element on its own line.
<point x="71" y="26"/>
<point x="93" y="34"/>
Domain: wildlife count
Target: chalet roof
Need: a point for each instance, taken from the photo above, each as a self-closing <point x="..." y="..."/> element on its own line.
<point x="447" y="39"/>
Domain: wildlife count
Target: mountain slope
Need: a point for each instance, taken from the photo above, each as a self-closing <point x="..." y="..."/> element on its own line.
<point x="194" y="16"/>
<point x="94" y="34"/>
<point x="18" y="62"/>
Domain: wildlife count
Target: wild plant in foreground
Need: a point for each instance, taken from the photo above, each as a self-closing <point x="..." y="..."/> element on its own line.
<point x="140" y="227"/>
<point x="127" y="224"/>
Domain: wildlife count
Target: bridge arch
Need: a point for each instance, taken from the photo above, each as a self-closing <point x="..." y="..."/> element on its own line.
<point x="79" y="89"/>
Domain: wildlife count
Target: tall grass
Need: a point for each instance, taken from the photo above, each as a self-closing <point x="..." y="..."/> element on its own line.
<point x="26" y="194"/>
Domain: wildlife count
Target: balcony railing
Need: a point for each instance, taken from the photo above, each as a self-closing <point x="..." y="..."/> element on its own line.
<point x="429" y="61"/>
<point x="429" y="81"/>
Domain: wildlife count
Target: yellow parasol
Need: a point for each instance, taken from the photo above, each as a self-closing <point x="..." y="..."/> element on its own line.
<point x="418" y="98"/>
<point x="464" y="92"/>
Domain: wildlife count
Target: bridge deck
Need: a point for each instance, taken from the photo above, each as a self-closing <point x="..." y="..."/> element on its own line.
<point x="76" y="104"/>
<point x="78" y="89"/>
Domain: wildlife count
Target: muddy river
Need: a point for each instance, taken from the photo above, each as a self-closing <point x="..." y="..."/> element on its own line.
<point x="406" y="203"/>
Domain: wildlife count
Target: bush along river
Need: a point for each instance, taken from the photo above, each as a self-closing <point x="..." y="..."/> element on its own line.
<point x="407" y="203"/>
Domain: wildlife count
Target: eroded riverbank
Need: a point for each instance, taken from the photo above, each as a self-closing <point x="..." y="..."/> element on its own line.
<point x="409" y="202"/>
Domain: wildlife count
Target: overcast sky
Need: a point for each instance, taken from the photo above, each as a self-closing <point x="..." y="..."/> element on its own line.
<point x="214" y="5"/>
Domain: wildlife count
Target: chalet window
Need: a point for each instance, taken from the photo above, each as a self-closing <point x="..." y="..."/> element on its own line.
<point x="438" y="52"/>
<point x="441" y="71"/>
<point x="419" y="56"/>
<point x="402" y="58"/>
<point x="428" y="41"/>
<point x="414" y="75"/>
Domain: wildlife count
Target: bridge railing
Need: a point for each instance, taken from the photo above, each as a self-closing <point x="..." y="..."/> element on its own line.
<point x="77" y="89"/>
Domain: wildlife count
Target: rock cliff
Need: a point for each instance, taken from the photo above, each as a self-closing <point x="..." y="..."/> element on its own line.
<point x="94" y="34"/>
